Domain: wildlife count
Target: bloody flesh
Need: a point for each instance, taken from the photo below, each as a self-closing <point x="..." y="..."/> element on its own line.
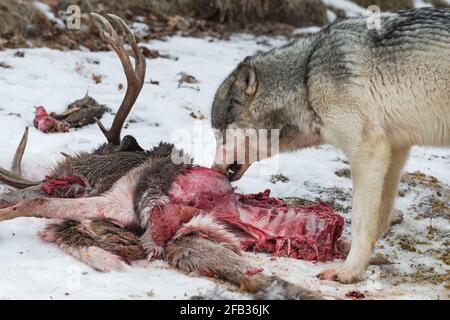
<point x="260" y="222"/>
<point x="45" y="123"/>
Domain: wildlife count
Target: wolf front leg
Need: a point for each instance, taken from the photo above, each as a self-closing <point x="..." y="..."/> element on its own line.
<point x="388" y="215"/>
<point x="370" y="164"/>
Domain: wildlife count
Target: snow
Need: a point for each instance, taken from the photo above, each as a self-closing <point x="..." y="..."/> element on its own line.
<point x="300" y="31"/>
<point x="331" y="16"/>
<point x="30" y="268"/>
<point x="47" y="11"/>
<point x="350" y="8"/>
<point x="421" y="4"/>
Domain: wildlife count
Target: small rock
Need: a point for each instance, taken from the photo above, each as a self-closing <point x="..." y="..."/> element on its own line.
<point x="4" y="65"/>
<point x="19" y="54"/>
<point x="186" y="78"/>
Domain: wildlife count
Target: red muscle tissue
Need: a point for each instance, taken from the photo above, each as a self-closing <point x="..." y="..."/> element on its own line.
<point x="45" y="123"/>
<point x="260" y="222"/>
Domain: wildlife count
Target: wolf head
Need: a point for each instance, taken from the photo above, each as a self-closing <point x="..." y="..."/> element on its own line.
<point x="231" y="113"/>
<point x="261" y="109"/>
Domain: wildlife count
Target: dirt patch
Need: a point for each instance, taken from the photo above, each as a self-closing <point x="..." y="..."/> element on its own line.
<point x="343" y="173"/>
<point x="299" y="13"/>
<point x="235" y="13"/>
<point x="18" y="20"/>
<point x="433" y="196"/>
<point x="22" y="24"/>
<point x="439" y="3"/>
<point x="338" y="198"/>
<point x="279" y="178"/>
<point x="423" y="275"/>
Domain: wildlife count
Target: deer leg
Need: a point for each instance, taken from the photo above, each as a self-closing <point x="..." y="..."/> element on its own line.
<point x="13" y="197"/>
<point x="77" y="240"/>
<point x="200" y="255"/>
<point x="54" y="208"/>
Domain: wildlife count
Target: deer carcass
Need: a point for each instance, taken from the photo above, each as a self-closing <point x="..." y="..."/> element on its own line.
<point x="121" y="203"/>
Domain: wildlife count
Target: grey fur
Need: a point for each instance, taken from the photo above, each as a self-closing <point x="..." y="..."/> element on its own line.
<point x="343" y="54"/>
<point x="196" y="254"/>
<point x="373" y="93"/>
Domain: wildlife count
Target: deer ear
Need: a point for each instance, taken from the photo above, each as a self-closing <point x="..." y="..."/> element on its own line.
<point x="246" y="79"/>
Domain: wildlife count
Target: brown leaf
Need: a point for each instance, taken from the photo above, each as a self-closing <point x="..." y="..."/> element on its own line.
<point x="199" y="116"/>
<point x="19" y="54"/>
<point x="187" y="78"/>
<point x="153" y="54"/>
<point x="97" y="78"/>
<point x="4" y="65"/>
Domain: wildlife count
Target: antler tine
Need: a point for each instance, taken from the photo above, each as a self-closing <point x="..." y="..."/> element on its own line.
<point x="140" y="62"/>
<point x="15" y="180"/>
<point x="14" y="177"/>
<point x="135" y="76"/>
<point x="19" y="154"/>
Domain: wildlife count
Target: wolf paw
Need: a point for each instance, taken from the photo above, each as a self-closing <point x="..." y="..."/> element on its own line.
<point x="343" y="275"/>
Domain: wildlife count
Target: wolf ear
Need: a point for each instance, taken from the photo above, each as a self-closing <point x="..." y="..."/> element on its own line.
<point x="246" y="78"/>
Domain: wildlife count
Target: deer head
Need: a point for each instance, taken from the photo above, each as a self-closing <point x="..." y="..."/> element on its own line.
<point x="135" y="76"/>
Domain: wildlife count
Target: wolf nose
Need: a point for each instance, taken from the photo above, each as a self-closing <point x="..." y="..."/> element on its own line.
<point x="233" y="170"/>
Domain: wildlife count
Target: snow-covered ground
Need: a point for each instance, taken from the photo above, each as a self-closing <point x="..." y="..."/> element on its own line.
<point x="30" y="268"/>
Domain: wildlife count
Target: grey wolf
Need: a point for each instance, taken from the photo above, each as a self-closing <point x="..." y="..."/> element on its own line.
<point x="373" y="93"/>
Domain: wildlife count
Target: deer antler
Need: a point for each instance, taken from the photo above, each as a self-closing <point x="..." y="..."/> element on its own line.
<point x="135" y="76"/>
<point x="135" y="81"/>
<point x="14" y="177"/>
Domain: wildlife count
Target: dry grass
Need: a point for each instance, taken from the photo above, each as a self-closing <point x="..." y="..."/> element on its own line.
<point x="240" y="13"/>
<point x="21" y="22"/>
<point x="231" y="12"/>
<point x="439" y="3"/>
<point x="16" y="16"/>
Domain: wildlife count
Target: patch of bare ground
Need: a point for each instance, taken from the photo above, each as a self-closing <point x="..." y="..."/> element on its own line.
<point x="439" y="3"/>
<point x="338" y="198"/>
<point x="429" y="242"/>
<point x="430" y="204"/>
<point x="343" y="173"/>
<point x="432" y="198"/>
<point x="22" y="24"/>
